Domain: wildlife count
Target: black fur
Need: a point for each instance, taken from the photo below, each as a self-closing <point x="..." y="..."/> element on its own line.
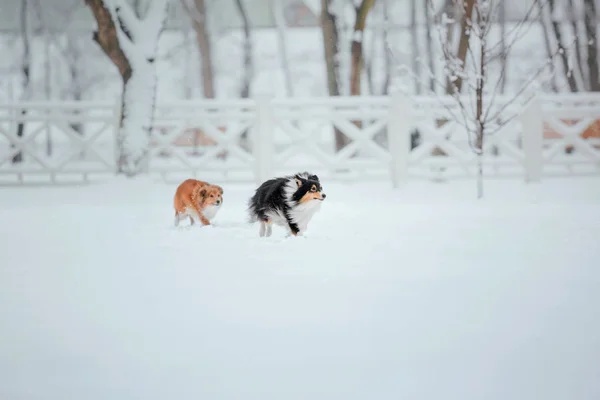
<point x="271" y="196"/>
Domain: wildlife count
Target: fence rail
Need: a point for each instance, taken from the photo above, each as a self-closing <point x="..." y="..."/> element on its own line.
<point x="393" y="137"/>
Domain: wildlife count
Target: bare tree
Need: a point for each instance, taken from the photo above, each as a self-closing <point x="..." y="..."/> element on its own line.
<point x="591" y="26"/>
<point x="573" y="16"/>
<point x="378" y="41"/>
<point x="131" y="43"/>
<point x="560" y="46"/>
<point x="248" y="73"/>
<point x="356" y="48"/>
<point x="430" y="60"/>
<point x="480" y="110"/>
<point x="414" y="43"/>
<point x="248" y="56"/>
<point x="276" y="7"/>
<point x="25" y="69"/>
<point x="580" y="65"/>
<point x="197" y="13"/>
<point x="503" y="55"/>
<point x="331" y="48"/>
<point x="547" y="44"/>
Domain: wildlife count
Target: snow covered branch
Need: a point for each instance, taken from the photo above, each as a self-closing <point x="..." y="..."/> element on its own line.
<point x="139" y="38"/>
<point x="128" y="22"/>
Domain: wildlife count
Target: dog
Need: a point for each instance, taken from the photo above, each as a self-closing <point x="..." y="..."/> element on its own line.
<point x="289" y="201"/>
<point x="197" y="200"/>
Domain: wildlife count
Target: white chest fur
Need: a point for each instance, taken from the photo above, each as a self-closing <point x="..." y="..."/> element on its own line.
<point x="210" y="212"/>
<point x="303" y="213"/>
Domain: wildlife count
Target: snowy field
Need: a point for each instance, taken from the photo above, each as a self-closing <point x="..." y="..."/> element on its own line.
<point x="420" y="293"/>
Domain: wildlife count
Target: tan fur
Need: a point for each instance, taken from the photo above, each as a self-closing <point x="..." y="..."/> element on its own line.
<point x="193" y="196"/>
<point x="312" y="194"/>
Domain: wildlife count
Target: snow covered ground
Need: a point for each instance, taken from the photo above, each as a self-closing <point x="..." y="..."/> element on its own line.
<point x="419" y="293"/>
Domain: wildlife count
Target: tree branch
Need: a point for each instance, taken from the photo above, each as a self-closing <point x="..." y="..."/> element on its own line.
<point x="157" y="15"/>
<point x="127" y="20"/>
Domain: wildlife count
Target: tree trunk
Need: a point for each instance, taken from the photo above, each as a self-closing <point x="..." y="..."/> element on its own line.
<point x="463" y="44"/>
<point x="430" y="60"/>
<point x="573" y="16"/>
<point x="451" y="9"/>
<point x="248" y="64"/>
<point x="26" y="71"/>
<point x="503" y="50"/>
<point x="548" y="47"/>
<point x="414" y="45"/>
<point x="387" y="58"/>
<point x="565" y="61"/>
<point x="479" y="93"/>
<point x="277" y="13"/>
<point x="368" y="65"/>
<point x="106" y="37"/>
<point x="204" y="47"/>
<point x="356" y="48"/>
<point x="330" y="45"/>
<point x="331" y="49"/>
<point x="139" y="97"/>
<point x="591" y="23"/>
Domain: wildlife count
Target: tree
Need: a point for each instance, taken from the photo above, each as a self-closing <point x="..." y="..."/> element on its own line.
<point x="276" y="7"/>
<point x="558" y="36"/>
<point x="591" y="26"/>
<point x="431" y="61"/>
<point x="25" y="70"/>
<point x="332" y="65"/>
<point x="356" y="48"/>
<point x="248" y="74"/>
<point x="480" y="111"/>
<point x="248" y="59"/>
<point x="379" y="39"/>
<point x="414" y="42"/>
<point x="197" y="13"/>
<point x="131" y="44"/>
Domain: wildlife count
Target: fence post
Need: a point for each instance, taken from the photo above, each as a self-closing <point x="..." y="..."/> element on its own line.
<point x="400" y="116"/>
<point x="532" y="122"/>
<point x="262" y="140"/>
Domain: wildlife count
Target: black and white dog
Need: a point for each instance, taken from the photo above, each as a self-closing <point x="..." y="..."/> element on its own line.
<point x="289" y="201"/>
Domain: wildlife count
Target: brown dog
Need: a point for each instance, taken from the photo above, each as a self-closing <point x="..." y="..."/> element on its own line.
<point x="197" y="200"/>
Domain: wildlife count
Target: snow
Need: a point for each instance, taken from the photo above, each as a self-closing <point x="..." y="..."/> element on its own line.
<point x="420" y="293"/>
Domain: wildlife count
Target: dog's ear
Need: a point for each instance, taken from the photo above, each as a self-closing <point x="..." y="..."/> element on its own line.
<point x="202" y="192"/>
<point x="298" y="181"/>
<point x="220" y="189"/>
<point x="314" y="178"/>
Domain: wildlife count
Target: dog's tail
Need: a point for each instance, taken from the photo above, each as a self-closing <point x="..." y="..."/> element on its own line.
<point x="252" y="211"/>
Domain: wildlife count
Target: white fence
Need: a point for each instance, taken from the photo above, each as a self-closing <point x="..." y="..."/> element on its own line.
<point x="389" y="137"/>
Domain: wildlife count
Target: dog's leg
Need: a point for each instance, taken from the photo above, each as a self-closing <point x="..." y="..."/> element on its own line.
<point x="293" y="228"/>
<point x="191" y="213"/>
<point x="269" y="229"/>
<point x="176" y="218"/>
<point x="204" y="220"/>
<point x="262" y="229"/>
<point x="200" y="216"/>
